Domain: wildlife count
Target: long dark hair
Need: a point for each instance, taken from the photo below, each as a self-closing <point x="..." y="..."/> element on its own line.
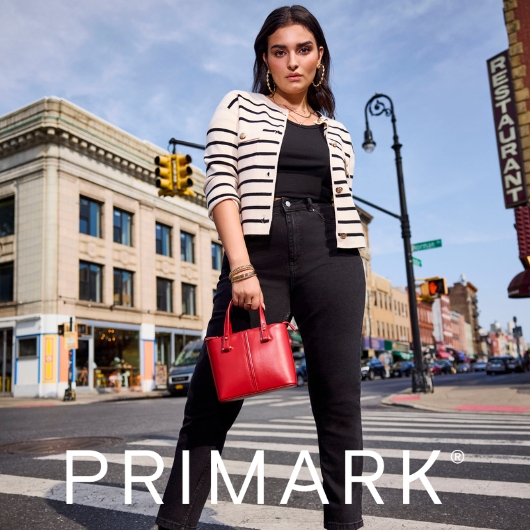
<point x="321" y="98"/>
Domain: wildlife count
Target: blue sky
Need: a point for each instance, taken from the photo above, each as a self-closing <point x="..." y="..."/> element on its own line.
<point x="158" y="69"/>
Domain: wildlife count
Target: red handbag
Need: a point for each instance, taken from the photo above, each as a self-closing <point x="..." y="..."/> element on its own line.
<point x="253" y="361"/>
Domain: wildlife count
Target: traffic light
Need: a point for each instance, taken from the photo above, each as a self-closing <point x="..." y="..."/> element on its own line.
<point x="431" y="288"/>
<point x="165" y="179"/>
<point x="184" y="181"/>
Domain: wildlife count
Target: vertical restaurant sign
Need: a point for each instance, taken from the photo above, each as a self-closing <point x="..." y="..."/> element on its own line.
<point x="507" y="130"/>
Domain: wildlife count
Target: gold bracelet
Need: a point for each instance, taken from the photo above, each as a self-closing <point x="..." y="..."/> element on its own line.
<point x="243" y="276"/>
<point x="242" y="268"/>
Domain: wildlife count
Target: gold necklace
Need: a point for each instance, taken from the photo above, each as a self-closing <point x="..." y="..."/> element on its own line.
<point x="311" y="112"/>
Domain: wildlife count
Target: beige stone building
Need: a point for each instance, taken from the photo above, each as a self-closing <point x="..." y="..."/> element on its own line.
<point x="85" y="236"/>
<point x="400" y="305"/>
<point x="389" y="317"/>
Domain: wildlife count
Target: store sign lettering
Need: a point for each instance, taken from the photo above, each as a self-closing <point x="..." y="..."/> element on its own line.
<point x="507" y="131"/>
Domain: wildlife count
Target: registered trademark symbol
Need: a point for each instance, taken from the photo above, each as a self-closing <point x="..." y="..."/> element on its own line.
<point x="457" y="456"/>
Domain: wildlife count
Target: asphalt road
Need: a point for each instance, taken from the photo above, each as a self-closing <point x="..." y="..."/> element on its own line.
<point x="489" y="489"/>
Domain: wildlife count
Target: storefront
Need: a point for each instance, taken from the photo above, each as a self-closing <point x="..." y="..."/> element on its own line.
<point x="110" y="356"/>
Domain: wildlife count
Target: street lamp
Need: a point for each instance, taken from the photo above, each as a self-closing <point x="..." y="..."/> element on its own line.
<point x="377" y="105"/>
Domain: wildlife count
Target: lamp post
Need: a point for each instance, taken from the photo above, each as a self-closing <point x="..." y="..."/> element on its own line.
<point x="377" y="105"/>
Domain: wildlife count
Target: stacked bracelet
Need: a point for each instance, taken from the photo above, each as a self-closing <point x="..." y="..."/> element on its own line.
<point x="241" y="273"/>
<point x="240" y="269"/>
<point x="243" y="276"/>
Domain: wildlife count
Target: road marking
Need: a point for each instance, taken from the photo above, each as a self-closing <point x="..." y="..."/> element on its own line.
<point x="414" y="415"/>
<point x="248" y="402"/>
<point x="376" y="429"/>
<point x="299" y="401"/>
<point x="385" y="453"/>
<point x="420" y="423"/>
<point x="255" y="516"/>
<point x="489" y="488"/>
<point x="364" y="398"/>
<point x="409" y="439"/>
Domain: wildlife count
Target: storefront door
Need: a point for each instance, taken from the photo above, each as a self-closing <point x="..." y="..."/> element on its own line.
<point x="6" y="361"/>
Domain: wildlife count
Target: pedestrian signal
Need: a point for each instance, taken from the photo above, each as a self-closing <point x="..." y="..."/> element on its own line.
<point x="432" y="288"/>
<point x="184" y="181"/>
<point x="165" y="179"/>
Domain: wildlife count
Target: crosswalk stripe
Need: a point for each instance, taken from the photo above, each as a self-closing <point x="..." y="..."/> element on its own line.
<point x="248" y="402"/>
<point x="304" y="401"/>
<point x="489" y="488"/>
<point x="409" y="439"/>
<point x="503" y="419"/>
<point x="378" y="429"/>
<point x="417" y="424"/>
<point x="385" y="453"/>
<point x="262" y="517"/>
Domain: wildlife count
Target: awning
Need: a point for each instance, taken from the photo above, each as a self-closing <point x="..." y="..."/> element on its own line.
<point x="404" y="355"/>
<point x="444" y="355"/>
<point x="520" y="286"/>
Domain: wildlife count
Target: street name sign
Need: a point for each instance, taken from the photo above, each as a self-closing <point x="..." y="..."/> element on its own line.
<point x="416" y="261"/>
<point x="426" y="245"/>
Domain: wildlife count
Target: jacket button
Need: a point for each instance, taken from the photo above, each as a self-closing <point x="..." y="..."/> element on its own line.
<point x="334" y="144"/>
<point x="338" y="190"/>
<point x="242" y="136"/>
<point x="342" y="235"/>
<point x="264" y="220"/>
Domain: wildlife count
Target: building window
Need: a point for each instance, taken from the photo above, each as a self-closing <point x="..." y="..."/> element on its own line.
<point x="375" y="298"/>
<point x="90" y="281"/>
<point x="89" y="217"/>
<point x="7" y="216"/>
<point x="378" y="329"/>
<point x="188" y="299"/>
<point x="123" y="288"/>
<point x="217" y="256"/>
<point x="7" y="272"/>
<point x="187" y="251"/>
<point x="27" y="347"/>
<point x="122" y="227"/>
<point x="164" y="295"/>
<point x="163" y="239"/>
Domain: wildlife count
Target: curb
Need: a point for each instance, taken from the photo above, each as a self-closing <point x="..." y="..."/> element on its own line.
<point x="55" y="402"/>
<point x="388" y="401"/>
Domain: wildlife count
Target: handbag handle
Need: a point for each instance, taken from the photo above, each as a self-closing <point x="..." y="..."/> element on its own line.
<point x="263" y="330"/>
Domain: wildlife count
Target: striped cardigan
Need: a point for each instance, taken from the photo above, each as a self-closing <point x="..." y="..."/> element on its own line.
<point x="242" y="149"/>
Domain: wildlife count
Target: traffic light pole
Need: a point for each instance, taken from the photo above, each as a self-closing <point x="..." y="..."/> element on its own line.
<point x="421" y="376"/>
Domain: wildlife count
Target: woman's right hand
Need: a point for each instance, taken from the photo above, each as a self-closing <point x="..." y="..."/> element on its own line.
<point x="247" y="290"/>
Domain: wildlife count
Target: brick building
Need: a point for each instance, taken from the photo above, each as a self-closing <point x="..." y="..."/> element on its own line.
<point x="443" y="321"/>
<point x="463" y="297"/>
<point x="426" y="323"/>
<point x="517" y="19"/>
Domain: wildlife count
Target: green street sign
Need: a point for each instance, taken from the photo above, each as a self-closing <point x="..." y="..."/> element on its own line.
<point x="416" y="261"/>
<point x="426" y="245"/>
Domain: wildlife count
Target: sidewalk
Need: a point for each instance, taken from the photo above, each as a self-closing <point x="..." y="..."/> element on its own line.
<point x="83" y="397"/>
<point x="508" y="397"/>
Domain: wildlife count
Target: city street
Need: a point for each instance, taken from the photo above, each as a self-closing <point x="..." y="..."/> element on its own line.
<point x="489" y="489"/>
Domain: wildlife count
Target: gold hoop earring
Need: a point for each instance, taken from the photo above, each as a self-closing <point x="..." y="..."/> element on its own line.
<point x="269" y="85"/>
<point x="321" y="76"/>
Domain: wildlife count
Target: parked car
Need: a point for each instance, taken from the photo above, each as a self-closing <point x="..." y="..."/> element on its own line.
<point x="479" y="366"/>
<point x="503" y="364"/>
<point x="301" y="373"/>
<point x="462" y="368"/>
<point x="402" y="368"/>
<point x="435" y="368"/>
<point x="179" y="377"/>
<point x="446" y="367"/>
<point x="372" y="367"/>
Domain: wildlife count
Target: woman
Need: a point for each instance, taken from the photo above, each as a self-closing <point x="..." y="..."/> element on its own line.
<point x="278" y="187"/>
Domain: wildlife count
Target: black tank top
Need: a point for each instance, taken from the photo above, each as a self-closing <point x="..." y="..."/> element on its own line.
<point x="303" y="164"/>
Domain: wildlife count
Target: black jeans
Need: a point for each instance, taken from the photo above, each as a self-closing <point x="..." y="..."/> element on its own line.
<point x="303" y="274"/>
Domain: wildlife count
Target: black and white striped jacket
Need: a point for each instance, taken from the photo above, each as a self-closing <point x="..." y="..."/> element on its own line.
<point x="242" y="149"/>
